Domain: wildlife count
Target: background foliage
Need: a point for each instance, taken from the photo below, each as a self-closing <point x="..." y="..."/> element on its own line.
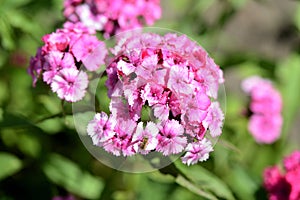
<point x="41" y="155"/>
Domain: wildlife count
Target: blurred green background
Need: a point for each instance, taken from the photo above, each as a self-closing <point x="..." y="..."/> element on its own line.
<point x="41" y="155"/>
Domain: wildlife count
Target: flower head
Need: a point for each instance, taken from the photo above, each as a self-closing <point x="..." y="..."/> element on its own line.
<point x="61" y="56"/>
<point x="155" y="84"/>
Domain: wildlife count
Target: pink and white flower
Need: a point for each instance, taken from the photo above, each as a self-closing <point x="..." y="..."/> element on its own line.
<point x="70" y="84"/>
<point x="171" y="139"/>
<point x="197" y="152"/>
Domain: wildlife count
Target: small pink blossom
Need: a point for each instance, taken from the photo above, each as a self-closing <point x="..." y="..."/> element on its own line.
<point x="70" y="84"/>
<point x="214" y="119"/>
<point x="101" y="128"/>
<point x="171" y="139"/>
<point x="121" y="143"/>
<point x="145" y="139"/>
<point x="197" y="152"/>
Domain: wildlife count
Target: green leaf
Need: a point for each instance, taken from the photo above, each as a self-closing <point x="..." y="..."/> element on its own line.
<point x="206" y="180"/>
<point x="289" y="73"/>
<point x="194" y="188"/>
<point x="6" y="34"/>
<point x="67" y="174"/>
<point x="9" y="165"/>
<point x="29" y="145"/>
<point x="8" y="4"/>
<point x="241" y="183"/>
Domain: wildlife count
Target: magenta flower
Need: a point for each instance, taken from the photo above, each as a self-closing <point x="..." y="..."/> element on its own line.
<point x="156" y="80"/>
<point x="70" y="84"/>
<point x="292" y="161"/>
<point x="111" y="17"/>
<point x="285" y="185"/>
<point x="266" y="104"/>
<point x="276" y="184"/>
<point x="197" y="151"/>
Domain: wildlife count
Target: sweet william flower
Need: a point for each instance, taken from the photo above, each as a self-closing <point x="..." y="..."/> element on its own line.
<point x="112" y="17"/>
<point x="70" y="84"/>
<point x="171" y="139"/>
<point x="162" y="76"/>
<point x="62" y="55"/>
<point x="265" y="121"/>
<point x="285" y="184"/>
<point x="101" y="128"/>
<point x="197" y="152"/>
<point x="145" y="140"/>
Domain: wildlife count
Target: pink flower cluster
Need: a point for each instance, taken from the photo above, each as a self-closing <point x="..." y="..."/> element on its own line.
<point x="265" y="107"/>
<point x="173" y="80"/>
<point x="284" y="186"/>
<point x="63" y="53"/>
<point x="111" y="17"/>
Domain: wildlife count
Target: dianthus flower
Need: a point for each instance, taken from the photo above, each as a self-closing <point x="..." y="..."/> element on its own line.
<point x="162" y="77"/>
<point x="61" y="57"/>
<point x="111" y="17"/>
<point x="265" y="109"/>
<point x="284" y="185"/>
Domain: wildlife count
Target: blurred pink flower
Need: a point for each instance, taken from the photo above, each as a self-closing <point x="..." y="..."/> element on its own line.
<point x="69" y="197"/>
<point x="292" y="161"/>
<point x="284" y="186"/>
<point x="276" y="184"/>
<point x="266" y="104"/>
<point x="111" y="17"/>
<point x="265" y="128"/>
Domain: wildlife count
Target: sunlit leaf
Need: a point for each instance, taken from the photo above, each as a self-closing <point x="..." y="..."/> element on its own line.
<point x="9" y="165"/>
<point x="206" y="180"/>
